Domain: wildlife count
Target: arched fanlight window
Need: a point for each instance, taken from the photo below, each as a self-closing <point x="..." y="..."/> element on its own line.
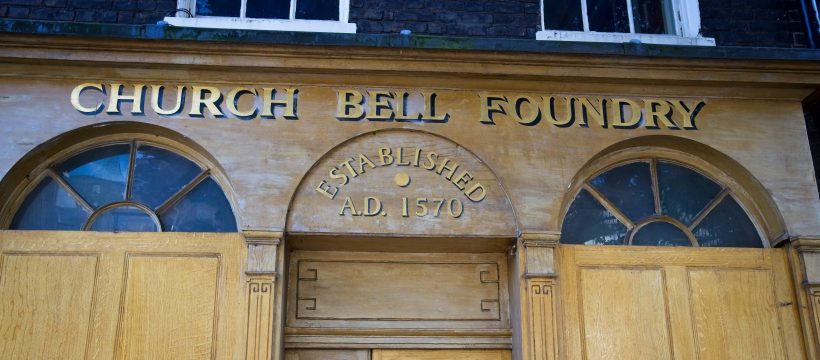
<point x="657" y="203"/>
<point x="126" y="186"/>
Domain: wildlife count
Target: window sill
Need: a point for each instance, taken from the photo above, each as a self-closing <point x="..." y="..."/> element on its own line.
<point x="324" y="26"/>
<point x="592" y="36"/>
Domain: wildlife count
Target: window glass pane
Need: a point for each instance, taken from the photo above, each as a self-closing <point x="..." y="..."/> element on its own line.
<point x="268" y="9"/>
<point x="684" y="192"/>
<point x="563" y="15"/>
<point x="648" y="16"/>
<point x="608" y="15"/>
<point x="218" y="8"/>
<point x="317" y="9"/>
<point x="49" y="207"/>
<point x="727" y="225"/>
<point x="660" y="234"/>
<point x="587" y="222"/>
<point x="628" y="187"/>
<point x="159" y="174"/>
<point x="204" y="209"/>
<point x="124" y="218"/>
<point x="98" y="175"/>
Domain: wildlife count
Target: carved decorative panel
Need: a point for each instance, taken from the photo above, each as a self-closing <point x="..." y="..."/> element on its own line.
<point x="397" y="290"/>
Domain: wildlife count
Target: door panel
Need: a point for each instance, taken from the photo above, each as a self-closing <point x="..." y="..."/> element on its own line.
<point x="441" y="354"/>
<point x="616" y="321"/>
<point x="677" y="303"/>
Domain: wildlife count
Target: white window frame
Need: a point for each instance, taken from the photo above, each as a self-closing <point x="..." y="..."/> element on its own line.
<point x="220" y="22"/>
<point x="685" y="15"/>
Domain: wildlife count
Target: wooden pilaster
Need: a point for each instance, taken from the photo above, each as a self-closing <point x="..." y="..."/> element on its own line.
<point x="261" y="272"/>
<point x="539" y="337"/>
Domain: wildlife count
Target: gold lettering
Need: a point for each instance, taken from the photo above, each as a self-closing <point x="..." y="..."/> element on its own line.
<point x="233" y="102"/>
<point x="327" y="190"/>
<point x="618" y="113"/>
<point x="157" y="92"/>
<point x="363" y="160"/>
<point x="210" y="102"/>
<point x="288" y="103"/>
<point x="384" y="156"/>
<point x="372" y="206"/>
<point x="450" y="170"/>
<point x="349" y="105"/>
<point x="688" y="115"/>
<point x="491" y="104"/>
<point x="379" y="106"/>
<point x="348" y="205"/>
<point x="533" y="113"/>
<point x="400" y="156"/>
<point x="401" y="108"/>
<point x="116" y="96"/>
<point x="471" y="194"/>
<point x="461" y="181"/>
<point x="429" y="113"/>
<point x="416" y="158"/>
<point x="334" y="174"/>
<point x="551" y="114"/>
<point x="346" y="165"/>
<point x="589" y="110"/>
<point x="75" y="98"/>
<point x="431" y="158"/>
<point x="658" y="110"/>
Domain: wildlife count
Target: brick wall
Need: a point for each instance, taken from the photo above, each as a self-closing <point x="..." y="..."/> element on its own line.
<point x="767" y="23"/>
<point x="487" y="18"/>
<point x="98" y="11"/>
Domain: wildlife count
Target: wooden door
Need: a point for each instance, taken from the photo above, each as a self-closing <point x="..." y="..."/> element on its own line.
<point x="91" y="295"/>
<point x="677" y="303"/>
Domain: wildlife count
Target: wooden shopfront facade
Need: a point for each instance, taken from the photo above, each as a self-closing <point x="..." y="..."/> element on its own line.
<point x="226" y="200"/>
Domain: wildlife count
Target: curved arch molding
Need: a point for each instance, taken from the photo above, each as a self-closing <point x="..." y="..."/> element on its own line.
<point x="401" y="182"/>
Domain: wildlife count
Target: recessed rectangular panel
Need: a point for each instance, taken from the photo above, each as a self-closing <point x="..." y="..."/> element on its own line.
<point x="169" y="307"/>
<point x="46" y="303"/>
<point x="734" y="314"/>
<point x="397" y="290"/>
<point x="441" y="354"/>
<point x="624" y="314"/>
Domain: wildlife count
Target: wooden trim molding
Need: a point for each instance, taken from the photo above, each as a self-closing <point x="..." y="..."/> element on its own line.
<point x="539" y="336"/>
<point x="260" y="317"/>
<point x="263" y="251"/>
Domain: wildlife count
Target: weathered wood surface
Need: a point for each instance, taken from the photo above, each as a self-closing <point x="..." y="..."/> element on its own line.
<point x="753" y="109"/>
<point x="82" y="295"/>
<point x="678" y="304"/>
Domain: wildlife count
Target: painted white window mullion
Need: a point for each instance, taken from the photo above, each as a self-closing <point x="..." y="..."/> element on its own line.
<point x="344" y="10"/>
<point x="243" y="8"/>
<point x="584" y="14"/>
<point x="631" y="16"/>
<point x="292" y="14"/>
<point x="543" y="25"/>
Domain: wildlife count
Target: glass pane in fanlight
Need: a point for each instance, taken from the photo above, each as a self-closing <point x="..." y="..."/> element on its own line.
<point x="99" y="175"/>
<point x="317" y="9"/>
<point x="563" y="15"/>
<point x="727" y="225"/>
<point x="204" y="209"/>
<point x="629" y="188"/>
<point x="587" y="222"/>
<point x="660" y="234"/>
<point x="607" y="15"/>
<point x="684" y="192"/>
<point x="159" y="174"/>
<point x="649" y="17"/>
<point x="49" y="207"/>
<point x="229" y="8"/>
<point x="124" y="218"/>
<point x="268" y="9"/>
